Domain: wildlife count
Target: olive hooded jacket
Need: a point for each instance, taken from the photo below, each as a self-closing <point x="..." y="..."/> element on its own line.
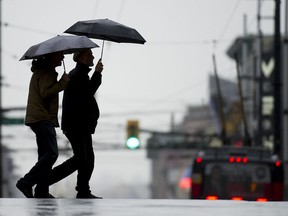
<point x="43" y="96"/>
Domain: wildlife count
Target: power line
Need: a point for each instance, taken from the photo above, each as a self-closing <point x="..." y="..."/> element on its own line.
<point x="149" y="112"/>
<point x="187" y="42"/>
<point x="25" y="28"/>
<point x="229" y="20"/>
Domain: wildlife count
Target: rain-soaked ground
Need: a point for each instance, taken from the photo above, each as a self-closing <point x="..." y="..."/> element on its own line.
<point x="138" y="207"/>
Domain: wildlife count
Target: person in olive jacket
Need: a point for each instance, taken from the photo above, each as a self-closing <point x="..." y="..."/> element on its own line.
<point x="80" y="114"/>
<point x="42" y="118"/>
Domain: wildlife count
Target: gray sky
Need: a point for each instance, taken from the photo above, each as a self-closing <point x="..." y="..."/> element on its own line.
<point x="165" y="75"/>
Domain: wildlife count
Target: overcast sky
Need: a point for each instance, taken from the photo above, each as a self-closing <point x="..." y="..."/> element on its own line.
<point x="145" y="82"/>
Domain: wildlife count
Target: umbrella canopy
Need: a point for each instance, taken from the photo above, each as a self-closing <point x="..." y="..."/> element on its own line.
<point x="106" y="29"/>
<point x="64" y="43"/>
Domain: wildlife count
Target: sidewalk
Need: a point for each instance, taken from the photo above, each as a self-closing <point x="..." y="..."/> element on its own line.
<point x="138" y="207"/>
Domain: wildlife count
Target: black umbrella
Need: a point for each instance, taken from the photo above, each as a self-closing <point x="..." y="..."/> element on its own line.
<point x="64" y="43"/>
<point x="106" y="29"/>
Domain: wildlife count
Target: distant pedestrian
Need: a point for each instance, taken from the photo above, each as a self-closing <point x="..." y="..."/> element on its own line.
<point x="80" y="114"/>
<point x="42" y="118"/>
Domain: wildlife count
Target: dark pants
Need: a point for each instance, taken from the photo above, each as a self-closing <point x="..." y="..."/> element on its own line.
<point x="83" y="161"/>
<point x="47" y="156"/>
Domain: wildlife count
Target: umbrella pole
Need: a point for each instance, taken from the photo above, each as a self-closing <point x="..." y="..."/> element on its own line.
<point x="102" y="49"/>
<point x="64" y="66"/>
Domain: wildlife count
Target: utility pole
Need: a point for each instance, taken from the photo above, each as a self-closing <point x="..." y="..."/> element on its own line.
<point x="258" y="105"/>
<point x="247" y="139"/>
<point x="285" y="88"/>
<point x="1" y="114"/>
<point x="278" y="111"/>
<point x="242" y="94"/>
<point x="285" y="100"/>
<point x="223" y="135"/>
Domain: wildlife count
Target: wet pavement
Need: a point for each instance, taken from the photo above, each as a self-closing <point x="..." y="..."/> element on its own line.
<point x="138" y="207"/>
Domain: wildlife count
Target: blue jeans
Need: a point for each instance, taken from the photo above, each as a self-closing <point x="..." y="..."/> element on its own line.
<point x="47" y="156"/>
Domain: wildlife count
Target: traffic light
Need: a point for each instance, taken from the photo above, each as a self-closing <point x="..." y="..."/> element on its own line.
<point x="132" y="130"/>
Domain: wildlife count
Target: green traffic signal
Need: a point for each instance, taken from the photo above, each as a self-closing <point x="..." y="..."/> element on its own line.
<point x="133" y="143"/>
<point x="132" y="130"/>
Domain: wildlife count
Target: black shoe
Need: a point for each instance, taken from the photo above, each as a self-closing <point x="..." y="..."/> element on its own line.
<point x="25" y="189"/>
<point x="87" y="196"/>
<point x="44" y="196"/>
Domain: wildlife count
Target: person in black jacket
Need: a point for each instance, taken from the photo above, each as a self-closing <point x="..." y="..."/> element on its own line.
<point x="80" y="114"/>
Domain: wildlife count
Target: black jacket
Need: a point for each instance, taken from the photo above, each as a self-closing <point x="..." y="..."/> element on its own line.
<point x="80" y="110"/>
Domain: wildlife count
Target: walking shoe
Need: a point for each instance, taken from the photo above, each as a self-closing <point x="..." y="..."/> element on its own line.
<point x="25" y="189"/>
<point x="87" y="196"/>
<point x="44" y="196"/>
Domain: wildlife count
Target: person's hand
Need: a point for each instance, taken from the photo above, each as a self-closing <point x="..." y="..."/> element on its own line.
<point x="65" y="77"/>
<point x="99" y="66"/>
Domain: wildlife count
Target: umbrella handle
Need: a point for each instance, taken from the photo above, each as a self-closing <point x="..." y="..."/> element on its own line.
<point x="102" y="49"/>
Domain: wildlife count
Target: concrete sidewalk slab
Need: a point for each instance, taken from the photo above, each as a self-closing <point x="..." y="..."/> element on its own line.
<point x="138" y="207"/>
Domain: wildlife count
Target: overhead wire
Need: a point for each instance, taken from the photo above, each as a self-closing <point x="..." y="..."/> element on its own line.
<point x="184" y="43"/>
<point x="25" y="28"/>
<point x="229" y="20"/>
<point x="216" y="41"/>
<point x="94" y="13"/>
<point x="121" y="9"/>
<point x="225" y="28"/>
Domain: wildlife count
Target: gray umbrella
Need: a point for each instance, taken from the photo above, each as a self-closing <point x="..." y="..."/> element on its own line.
<point x="64" y="43"/>
<point x="106" y="29"/>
